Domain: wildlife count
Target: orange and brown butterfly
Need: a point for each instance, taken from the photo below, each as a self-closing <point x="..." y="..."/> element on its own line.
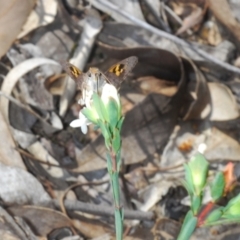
<point x="114" y="75"/>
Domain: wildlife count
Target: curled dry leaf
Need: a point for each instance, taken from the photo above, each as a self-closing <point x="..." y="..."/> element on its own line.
<point x="10" y="156"/>
<point x="15" y="74"/>
<point x="197" y="88"/>
<point x="13" y="14"/>
<point x="116" y="36"/>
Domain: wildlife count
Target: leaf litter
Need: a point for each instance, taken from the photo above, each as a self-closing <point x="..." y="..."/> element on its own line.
<point x="182" y="97"/>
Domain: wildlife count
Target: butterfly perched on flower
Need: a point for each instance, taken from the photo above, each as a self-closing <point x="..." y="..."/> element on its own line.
<point x="94" y="80"/>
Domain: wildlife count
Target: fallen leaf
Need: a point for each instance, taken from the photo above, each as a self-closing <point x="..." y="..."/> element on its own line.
<point x="223" y="13"/>
<point x="13" y="15"/>
<point x="43" y="14"/>
<point x="41" y="220"/>
<point x="18" y="187"/>
<point x="224" y="106"/>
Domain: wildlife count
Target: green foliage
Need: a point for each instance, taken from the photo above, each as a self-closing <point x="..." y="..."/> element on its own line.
<point x="189" y="225"/>
<point x="196" y="172"/>
<point x="217" y="186"/>
<point x="214" y="216"/>
<point x="232" y="210"/>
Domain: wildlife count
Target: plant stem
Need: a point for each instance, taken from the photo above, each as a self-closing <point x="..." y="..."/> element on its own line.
<point x="204" y="213"/>
<point x="114" y="176"/>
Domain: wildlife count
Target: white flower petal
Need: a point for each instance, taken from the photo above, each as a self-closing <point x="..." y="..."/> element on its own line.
<point x="82" y="122"/>
<point x="84" y="129"/>
<point x="109" y="91"/>
<point x="76" y="123"/>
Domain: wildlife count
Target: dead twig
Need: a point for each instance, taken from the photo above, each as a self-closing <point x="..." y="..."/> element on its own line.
<point x="103" y="210"/>
<point x="61" y="200"/>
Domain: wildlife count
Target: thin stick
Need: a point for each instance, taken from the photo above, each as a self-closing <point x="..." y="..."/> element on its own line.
<point x="102" y="210"/>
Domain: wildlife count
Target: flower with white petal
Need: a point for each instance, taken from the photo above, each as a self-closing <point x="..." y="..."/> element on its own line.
<point x="81" y="122"/>
<point x="90" y="113"/>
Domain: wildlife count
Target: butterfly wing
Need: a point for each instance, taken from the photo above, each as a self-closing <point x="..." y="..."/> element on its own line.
<point x="119" y="71"/>
<point x="75" y="73"/>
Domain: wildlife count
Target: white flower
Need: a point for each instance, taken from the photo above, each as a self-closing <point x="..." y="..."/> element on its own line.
<point x="109" y="92"/>
<point x="82" y="122"/>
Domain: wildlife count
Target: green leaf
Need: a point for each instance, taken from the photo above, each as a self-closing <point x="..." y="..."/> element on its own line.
<point x="109" y="164"/>
<point x="116" y="141"/>
<point x="100" y="108"/>
<point x="104" y="129"/>
<point x="188" y="227"/>
<point x="189" y="181"/>
<point x="196" y="204"/>
<point x="199" y="170"/>
<point x="112" y="111"/>
<point x="217" y="186"/>
<point x="89" y="114"/>
<point x="214" y="216"/>
<point x="185" y="184"/>
<point x="120" y="123"/>
<point x="233" y="208"/>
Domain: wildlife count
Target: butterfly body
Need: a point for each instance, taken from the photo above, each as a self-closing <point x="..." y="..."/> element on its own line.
<point x="94" y="80"/>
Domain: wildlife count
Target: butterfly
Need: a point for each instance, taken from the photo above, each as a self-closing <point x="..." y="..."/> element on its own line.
<point x="94" y="80"/>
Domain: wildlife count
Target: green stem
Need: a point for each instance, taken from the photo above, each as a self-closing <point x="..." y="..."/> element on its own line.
<point x="114" y="176"/>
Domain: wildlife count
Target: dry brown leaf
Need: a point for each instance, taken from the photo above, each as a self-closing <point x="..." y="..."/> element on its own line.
<point x="223" y="103"/>
<point x="222" y="12"/>
<point x="154" y="85"/>
<point x="197" y="89"/>
<point x="13" y="14"/>
<point x="43" y="14"/>
<point x="91" y="229"/>
<point x="41" y="220"/>
<point x="193" y="19"/>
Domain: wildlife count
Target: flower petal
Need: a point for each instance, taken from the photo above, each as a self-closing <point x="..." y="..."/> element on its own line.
<point x="84" y="129"/>
<point x="76" y="123"/>
<point x="82" y="122"/>
<point x="109" y="91"/>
